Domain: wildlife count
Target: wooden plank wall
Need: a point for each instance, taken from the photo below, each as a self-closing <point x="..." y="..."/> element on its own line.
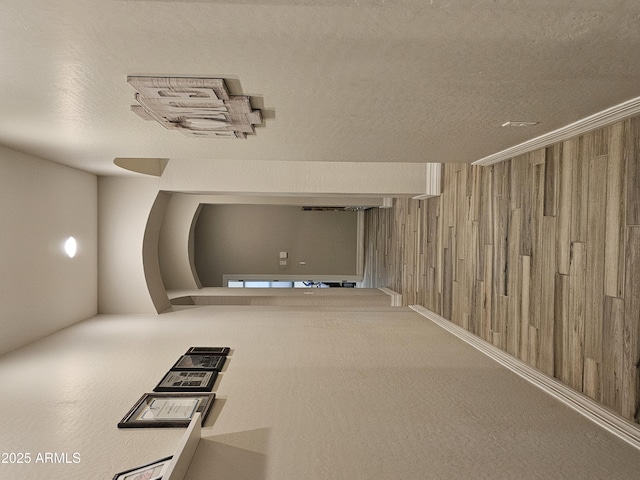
<point x="539" y="255"/>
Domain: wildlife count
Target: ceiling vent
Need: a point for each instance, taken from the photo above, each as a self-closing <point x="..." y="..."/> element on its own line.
<point x="511" y="123"/>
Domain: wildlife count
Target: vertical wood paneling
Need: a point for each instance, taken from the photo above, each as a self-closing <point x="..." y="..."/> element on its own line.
<point x="514" y="285"/>
<point x="487" y="295"/>
<point x="447" y="285"/>
<point x="439" y="257"/>
<point x="591" y="379"/>
<point x="612" y="355"/>
<point x="631" y="330"/>
<point x="487" y="203"/>
<point x="527" y="214"/>
<point x="577" y="290"/>
<point x="539" y="255"/>
<point x="580" y="188"/>
<point x="500" y="335"/>
<point x="547" y="294"/>
<point x="561" y="328"/>
<point x="632" y="154"/>
<point x="569" y="157"/>
<point x="552" y="179"/>
<point x="524" y="315"/>
<point x="533" y="358"/>
<point x="601" y="141"/>
<point x="519" y="173"/>
<point x="501" y="222"/>
<point x="472" y="273"/>
<point x="595" y="259"/>
<point x="615" y="214"/>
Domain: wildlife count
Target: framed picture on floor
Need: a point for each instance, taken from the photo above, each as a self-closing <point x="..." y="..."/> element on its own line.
<point x="200" y="362"/>
<point x="209" y="351"/>
<point x="173" y="409"/>
<point x="152" y="471"/>
<point x="187" y="381"/>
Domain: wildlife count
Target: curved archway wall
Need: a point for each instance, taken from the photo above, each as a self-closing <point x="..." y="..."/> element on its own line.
<point x="130" y="211"/>
<point x="175" y="245"/>
<point x="150" y="254"/>
<point x="193" y="184"/>
<point x="130" y="208"/>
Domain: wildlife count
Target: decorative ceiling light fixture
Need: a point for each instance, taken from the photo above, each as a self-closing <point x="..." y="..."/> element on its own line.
<point x="197" y="107"/>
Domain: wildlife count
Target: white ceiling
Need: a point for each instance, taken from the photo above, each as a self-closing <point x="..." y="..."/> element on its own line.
<point x="340" y="80"/>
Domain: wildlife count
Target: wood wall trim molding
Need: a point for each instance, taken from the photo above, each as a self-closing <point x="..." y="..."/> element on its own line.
<point x="396" y="298"/>
<point x="582" y="404"/>
<point x="360" y="245"/>
<point x="433" y="185"/>
<point x="606" y="117"/>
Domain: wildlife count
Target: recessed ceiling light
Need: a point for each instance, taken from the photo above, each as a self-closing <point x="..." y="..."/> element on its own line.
<point x="71" y="247"/>
<point x="511" y="123"/>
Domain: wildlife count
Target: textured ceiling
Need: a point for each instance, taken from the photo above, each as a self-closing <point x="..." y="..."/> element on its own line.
<point x="359" y="80"/>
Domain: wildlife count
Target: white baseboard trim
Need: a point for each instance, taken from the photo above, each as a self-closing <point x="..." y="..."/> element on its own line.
<point x="577" y="401"/>
<point x="601" y="119"/>
<point x="396" y="298"/>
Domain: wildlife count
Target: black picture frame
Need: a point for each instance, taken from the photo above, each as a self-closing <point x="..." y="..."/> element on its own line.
<point x="187" y="381"/>
<point x="200" y="362"/>
<point x="157" y="470"/>
<point x="224" y="351"/>
<point x="167" y="409"/>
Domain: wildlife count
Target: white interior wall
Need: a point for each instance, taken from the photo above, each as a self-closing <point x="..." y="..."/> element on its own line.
<point x="247" y="239"/>
<point x="174" y="249"/>
<point x="41" y="289"/>
<point x="150" y="254"/>
<point x="124" y="206"/>
<point x="295" y="178"/>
